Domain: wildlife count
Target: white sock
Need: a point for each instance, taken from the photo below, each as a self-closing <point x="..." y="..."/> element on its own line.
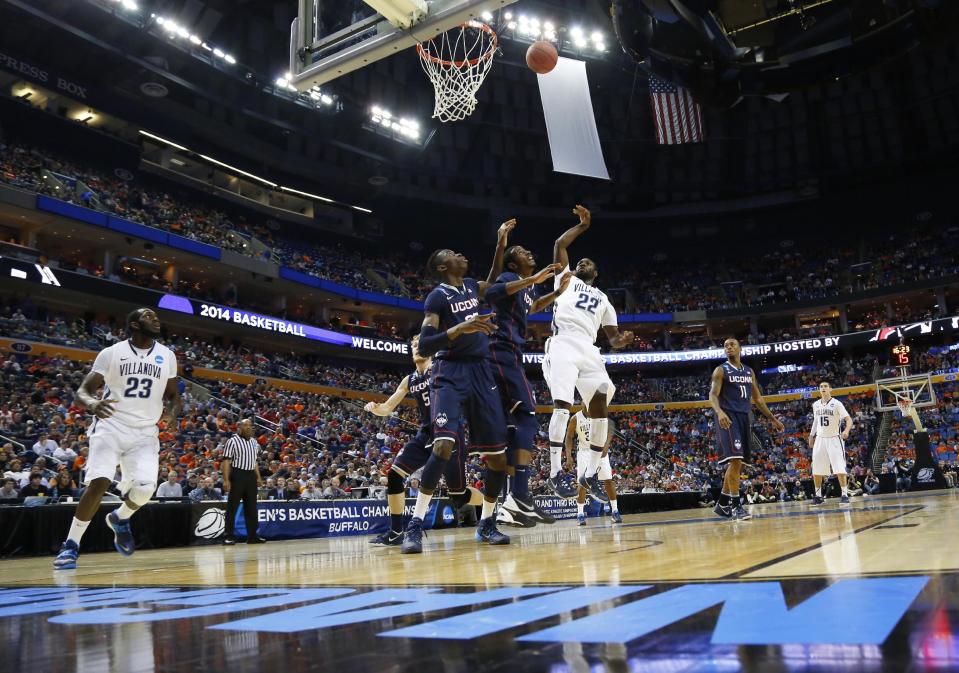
<point x="489" y="508"/>
<point x="819" y="492"/>
<point x="555" y="460"/>
<point x="422" y="504"/>
<point x="77" y="529"/>
<point x="613" y="505"/>
<point x="845" y="490"/>
<point x="124" y="512"/>
<point x="595" y="458"/>
<point x="580" y="508"/>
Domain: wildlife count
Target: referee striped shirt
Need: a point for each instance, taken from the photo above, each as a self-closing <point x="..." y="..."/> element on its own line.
<point x="241" y="452"/>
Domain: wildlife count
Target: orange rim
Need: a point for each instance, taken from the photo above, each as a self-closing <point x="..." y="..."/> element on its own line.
<point x="426" y="56"/>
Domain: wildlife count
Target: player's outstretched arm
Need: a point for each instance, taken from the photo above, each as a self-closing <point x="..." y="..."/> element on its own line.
<point x="542" y="302"/>
<point x="87" y="395"/>
<point x="389" y="406"/>
<point x="502" y="239"/>
<point x="433" y="340"/>
<point x="761" y="403"/>
<point x="560" y="256"/>
<point x="616" y="338"/>
<point x="171" y="402"/>
<point x="848" y="425"/>
<point x="716" y="387"/>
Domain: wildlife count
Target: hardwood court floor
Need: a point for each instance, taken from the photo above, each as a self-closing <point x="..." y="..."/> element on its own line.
<point x="872" y="586"/>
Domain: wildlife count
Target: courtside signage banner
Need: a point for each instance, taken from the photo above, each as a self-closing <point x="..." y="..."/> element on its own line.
<point x="295" y="520"/>
<point x="811" y="345"/>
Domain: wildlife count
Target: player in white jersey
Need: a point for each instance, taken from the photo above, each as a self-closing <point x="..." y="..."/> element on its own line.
<point x="831" y="425"/>
<point x="579" y="427"/>
<point x="138" y="378"/>
<point x="572" y="361"/>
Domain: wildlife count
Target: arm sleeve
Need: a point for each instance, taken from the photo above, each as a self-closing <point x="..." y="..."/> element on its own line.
<point x="102" y="364"/>
<point x="432" y="341"/>
<point x="496" y="292"/>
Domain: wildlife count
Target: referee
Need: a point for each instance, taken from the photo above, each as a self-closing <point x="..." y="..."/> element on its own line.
<point x="241" y="475"/>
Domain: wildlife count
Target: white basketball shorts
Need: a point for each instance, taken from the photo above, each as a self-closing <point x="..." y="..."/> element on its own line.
<point x="828" y="451"/>
<point x="605" y="472"/>
<point x="135" y="450"/>
<point x="571" y="364"/>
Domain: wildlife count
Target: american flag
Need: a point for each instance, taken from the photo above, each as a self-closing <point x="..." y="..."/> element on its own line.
<point x="677" y="117"/>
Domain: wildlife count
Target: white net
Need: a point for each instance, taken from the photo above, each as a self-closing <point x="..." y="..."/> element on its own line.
<point x="457" y="62"/>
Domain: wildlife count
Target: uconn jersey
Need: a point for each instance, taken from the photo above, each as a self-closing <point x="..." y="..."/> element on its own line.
<point x="511" y="309"/>
<point x="737" y="391"/>
<point x="419" y="387"/>
<point x="828" y="417"/>
<point x="581" y="310"/>
<point x="137" y="379"/>
<point x="455" y="305"/>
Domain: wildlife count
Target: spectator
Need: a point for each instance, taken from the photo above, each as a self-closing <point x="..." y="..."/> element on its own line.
<point x="871" y="484"/>
<point x="63" y="486"/>
<point x="170" y="488"/>
<point x="9" y="492"/>
<point x="206" y="492"/>
<point x="45" y="446"/>
<point x="34" y="487"/>
<point x="311" y="492"/>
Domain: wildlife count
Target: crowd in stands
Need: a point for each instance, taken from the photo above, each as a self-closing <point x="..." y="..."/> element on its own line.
<point x="316" y="446"/>
<point x="780" y="275"/>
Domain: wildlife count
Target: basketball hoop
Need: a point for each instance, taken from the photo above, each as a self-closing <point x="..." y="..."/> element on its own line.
<point x="457" y="62"/>
<point x="905" y="406"/>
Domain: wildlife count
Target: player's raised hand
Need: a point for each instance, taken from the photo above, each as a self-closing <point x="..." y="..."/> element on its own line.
<point x="482" y="324"/>
<point x="546" y="273"/>
<point x="371" y="407"/>
<point x="778" y="425"/>
<point x="505" y="229"/>
<point x="724" y="421"/>
<point x="585" y="217"/>
<point x="104" y="408"/>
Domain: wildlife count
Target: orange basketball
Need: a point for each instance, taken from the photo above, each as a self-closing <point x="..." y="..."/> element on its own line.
<point x="541" y="57"/>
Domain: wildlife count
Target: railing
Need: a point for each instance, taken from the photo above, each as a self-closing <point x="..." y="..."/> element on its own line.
<point x="11" y="440"/>
<point x="258" y="421"/>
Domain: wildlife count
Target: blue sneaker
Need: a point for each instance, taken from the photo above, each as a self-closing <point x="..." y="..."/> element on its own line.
<point x="594" y="488"/>
<point x="617" y="517"/>
<point x="413" y="537"/>
<point x="817" y="500"/>
<point x="561" y="486"/>
<point x="741" y="514"/>
<point x="122" y="534"/>
<point x="67" y="558"/>
<point x="487" y="531"/>
<point x="388" y="539"/>
<point x="844" y="500"/>
<point x="581" y="518"/>
<point x="725" y="511"/>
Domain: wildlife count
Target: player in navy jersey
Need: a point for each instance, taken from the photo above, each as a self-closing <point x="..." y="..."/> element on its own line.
<point x="733" y="391"/>
<point x="513" y="297"/>
<point x="462" y="385"/>
<point x="416" y="452"/>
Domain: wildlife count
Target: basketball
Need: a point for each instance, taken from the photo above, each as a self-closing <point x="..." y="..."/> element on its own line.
<point x="541" y="57"/>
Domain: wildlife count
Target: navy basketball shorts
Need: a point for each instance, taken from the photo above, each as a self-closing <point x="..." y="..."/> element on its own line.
<point x="733" y="442"/>
<point x="465" y="388"/>
<point x="416" y="452"/>
<point x="506" y="361"/>
<point x="519" y="403"/>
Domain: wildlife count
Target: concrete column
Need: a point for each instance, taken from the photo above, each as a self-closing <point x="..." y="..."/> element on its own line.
<point x="843" y="319"/>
